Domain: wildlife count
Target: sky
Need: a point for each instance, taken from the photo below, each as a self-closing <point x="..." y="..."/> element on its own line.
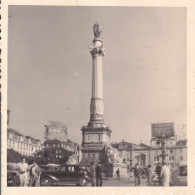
<point x="50" y="68"/>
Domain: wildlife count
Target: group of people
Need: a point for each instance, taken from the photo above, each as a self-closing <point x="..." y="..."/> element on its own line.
<point x="96" y="174"/>
<point x="28" y="175"/>
<point x="163" y="172"/>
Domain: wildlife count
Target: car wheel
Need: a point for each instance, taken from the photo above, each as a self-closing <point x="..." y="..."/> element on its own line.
<point x="83" y="182"/>
<point x="46" y="181"/>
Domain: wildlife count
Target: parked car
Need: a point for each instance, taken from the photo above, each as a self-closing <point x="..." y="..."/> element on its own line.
<point x="12" y="178"/>
<point x="66" y="175"/>
<point x="179" y="176"/>
<point x="48" y="167"/>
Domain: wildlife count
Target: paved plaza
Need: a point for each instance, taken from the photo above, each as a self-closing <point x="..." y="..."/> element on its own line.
<point x="123" y="182"/>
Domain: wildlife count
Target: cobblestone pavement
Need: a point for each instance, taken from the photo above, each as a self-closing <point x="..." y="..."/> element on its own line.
<point x="123" y="182"/>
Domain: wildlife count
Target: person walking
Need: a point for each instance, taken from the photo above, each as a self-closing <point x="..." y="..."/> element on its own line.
<point x="149" y="174"/>
<point x="165" y="175"/>
<point x="93" y="173"/>
<point x="137" y="174"/>
<point x="118" y="174"/>
<point x="98" y="175"/>
<point x="158" y="171"/>
<point x="22" y="169"/>
<point x="35" y="174"/>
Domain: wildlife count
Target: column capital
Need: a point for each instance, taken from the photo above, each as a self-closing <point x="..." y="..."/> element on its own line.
<point x="97" y="50"/>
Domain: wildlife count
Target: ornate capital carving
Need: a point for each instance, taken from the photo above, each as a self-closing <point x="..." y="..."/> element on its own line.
<point x="97" y="50"/>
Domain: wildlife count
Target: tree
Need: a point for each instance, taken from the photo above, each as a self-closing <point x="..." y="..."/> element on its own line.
<point x="49" y="155"/>
<point x="13" y="156"/>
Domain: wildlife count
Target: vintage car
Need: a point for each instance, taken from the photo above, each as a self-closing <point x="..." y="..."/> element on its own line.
<point x="179" y="176"/>
<point x="49" y="167"/>
<point x="12" y="179"/>
<point x="65" y="175"/>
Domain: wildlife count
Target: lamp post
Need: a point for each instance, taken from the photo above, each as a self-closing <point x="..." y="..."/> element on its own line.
<point x="130" y="149"/>
<point x="78" y="153"/>
<point x="161" y="143"/>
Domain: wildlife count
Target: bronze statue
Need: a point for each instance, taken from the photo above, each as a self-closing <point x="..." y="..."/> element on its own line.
<point x="97" y="29"/>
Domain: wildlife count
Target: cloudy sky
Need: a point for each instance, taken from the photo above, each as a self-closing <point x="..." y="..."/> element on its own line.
<point x="49" y="68"/>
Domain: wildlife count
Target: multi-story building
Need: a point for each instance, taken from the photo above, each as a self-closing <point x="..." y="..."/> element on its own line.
<point x="130" y="154"/>
<point x="175" y="152"/>
<point x="141" y="154"/>
<point x="124" y="150"/>
<point x="56" y="130"/>
<point x="56" y="138"/>
<point x="25" y="145"/>
<point x="68" y="145"/>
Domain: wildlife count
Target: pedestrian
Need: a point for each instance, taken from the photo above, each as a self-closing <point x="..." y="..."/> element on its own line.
<point x="158" y="171"/>
<point x="165" y="175"/>
<point x="98" y="175"/>
<point x="22" y="169"/>
<point x="149" y="174"/>
<point x="35" y="174"/>
<point x="137" y="174"/>
<point x="93" y="173"/>
<point x="118" y="174"/>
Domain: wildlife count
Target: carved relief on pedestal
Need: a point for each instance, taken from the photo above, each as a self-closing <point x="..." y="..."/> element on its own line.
<point x="93" y="138"/>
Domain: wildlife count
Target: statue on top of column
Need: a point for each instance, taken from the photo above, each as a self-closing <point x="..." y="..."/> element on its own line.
<point x="97" y="29"/>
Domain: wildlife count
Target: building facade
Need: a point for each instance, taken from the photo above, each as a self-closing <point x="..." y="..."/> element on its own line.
<point x="124" y="150"/>
<point x="56" y="130"/>
<point x="175" y="152"/>
<point x="129" y="154"/>
<point x="25" y="145"/>
<point x="68" y="145"/>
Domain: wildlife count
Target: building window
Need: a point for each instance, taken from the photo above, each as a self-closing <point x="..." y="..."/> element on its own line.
<point x="181" y="158"/>
<point x="171" y="158"/>
<point x="171" y="151"/>
<point x="124" y="161"/>
<point x="156" y="151"/>
<point x="54" y="145"/>
<point x="180" y="150"/>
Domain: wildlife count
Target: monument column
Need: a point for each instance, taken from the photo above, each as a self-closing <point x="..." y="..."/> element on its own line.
<point x="97" y="105"/>
<point x="96" y="135"/>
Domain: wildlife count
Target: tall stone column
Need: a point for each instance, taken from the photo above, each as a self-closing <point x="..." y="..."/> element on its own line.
<point x="97" y="105"/>
<point x="96" y="135"/>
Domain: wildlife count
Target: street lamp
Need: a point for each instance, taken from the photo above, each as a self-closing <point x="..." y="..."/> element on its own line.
<point x="78" y="153"/>
<point x="161" y="143"/>
<point x="130" y="149"/>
